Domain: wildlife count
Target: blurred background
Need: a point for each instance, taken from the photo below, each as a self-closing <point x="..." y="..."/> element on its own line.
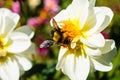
<point x="37" y="14"/>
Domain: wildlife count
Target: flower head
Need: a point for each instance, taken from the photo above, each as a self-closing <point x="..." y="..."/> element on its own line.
<point x="35" y="22"/>
<point x="1" y="3"/>
<point x="83" y="47"/>
<point x="16" y="7"/>
<point x="12" y="44"/>
<point x="51" y="5"/>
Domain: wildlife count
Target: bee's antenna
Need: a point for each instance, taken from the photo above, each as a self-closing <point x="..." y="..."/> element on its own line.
<point x="55" y="24"/>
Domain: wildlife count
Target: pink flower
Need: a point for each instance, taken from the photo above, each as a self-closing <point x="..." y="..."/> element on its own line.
<point x="35" y="22"/>
<point x="1" y="3"/>
<point x="16" y="7"/>
<point x="51" y="5"/>
<point x="105" y="34"/>
<point x="41" y="51"/>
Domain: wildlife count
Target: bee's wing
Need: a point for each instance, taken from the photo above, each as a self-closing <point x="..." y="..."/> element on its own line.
<point x="47" y="43"/>
<point x="55" y="25"/>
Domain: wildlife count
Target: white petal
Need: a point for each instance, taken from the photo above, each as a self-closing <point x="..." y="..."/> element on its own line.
<point x="82" y="68"/>
<point x="24" y="63"/>
<point x="75" y="67"/>
<point x="92" y="2"/>
<point x="78" y="9"/>
<point x="91" y="19"/>
<point x="6" y="12"/>
<point x="108" y="17"/>
<point x="30" y="50"/>
<point x="8" y="21"/>
<point x="5" y="25"/>
<point x="92" y="51"/>
<point x="26" y="29"/>
<point x="101" y="65"/>
<point x="20" y="42"/>
<point x="62" y="52"/>
<point x="73" y="43"/>
<point x="96" y="40"/>
<point x="103" y="16"/>
<point x="61" y="16"/>
<point x="9" y="70"/>
<point x="109" y="45"/>
<point x="103" y="62"/>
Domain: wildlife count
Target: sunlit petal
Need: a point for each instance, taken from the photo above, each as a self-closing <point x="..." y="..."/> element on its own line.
<point x="24" y="63"/>
<point x="103" y="17"/>
<point x="7" y="13"/>
<point x="92" y="2"/>
<point x="9" y="70"/>
<point x="91" y="20"/>
<point x="20" y="42"/>
<point x="30" y="50"/>
<point x="76" y="68"/>
<point x="96" y="40"/>
<point x="103" y="62"/>
<point x="109" y="45"/>
<point x="81" y="13"/>
<point x="8" y="21"/>
<point x="101" y="65"/>
<point x="108" y="17"/>
<point x="59" y="17"/>
<point x="92" y="51"/>
<point x="62" y="52"/>
<point x="73" y="43"/>
<point x="26" y="29"/>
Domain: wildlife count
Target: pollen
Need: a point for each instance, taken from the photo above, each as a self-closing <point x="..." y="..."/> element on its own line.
<point x="1" y="42"/>
<point x="2" y="47"/>
<point x="71" y="28"/>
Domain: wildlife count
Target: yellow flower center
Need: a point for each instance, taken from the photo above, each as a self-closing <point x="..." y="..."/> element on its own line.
<point x="79" y="49"/>
<point x="71" y="29"/>
<point x="2" y="47"/>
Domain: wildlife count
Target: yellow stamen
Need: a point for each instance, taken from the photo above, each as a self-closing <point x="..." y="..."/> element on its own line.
<point x="79" y="49"/>
<point x="71" y="28"/>
<point x="2" y="47"/>
<point x="1" y="42"/>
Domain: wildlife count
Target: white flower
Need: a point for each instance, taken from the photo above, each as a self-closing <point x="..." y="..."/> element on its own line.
<point x="81" y="24"/>
<point x="12" y="44"/>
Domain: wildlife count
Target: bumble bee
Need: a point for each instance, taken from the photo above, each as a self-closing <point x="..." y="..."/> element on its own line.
<point x="58" y="37"/>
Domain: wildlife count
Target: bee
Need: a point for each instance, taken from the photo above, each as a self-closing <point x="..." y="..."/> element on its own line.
<point x="58" y="37"/>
